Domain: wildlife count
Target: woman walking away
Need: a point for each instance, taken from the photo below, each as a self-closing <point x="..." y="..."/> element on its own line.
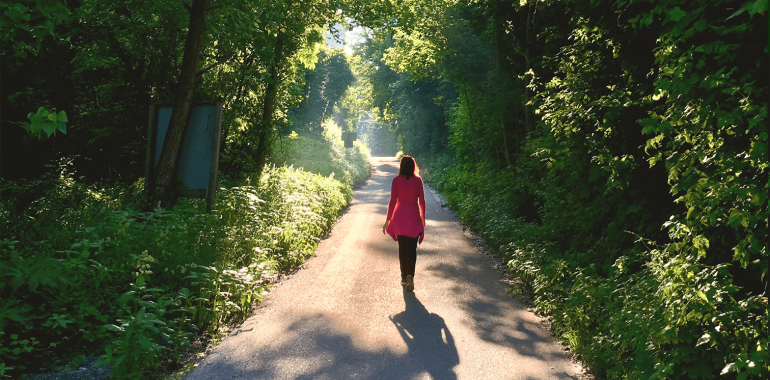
<point x="406" y="217"/>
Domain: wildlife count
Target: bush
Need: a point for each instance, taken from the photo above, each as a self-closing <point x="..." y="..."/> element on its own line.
<point x="639" y="311"/>
<point x="628" y="306"/>
<point x="83" y="273"/>
<point x="325" y="157"/>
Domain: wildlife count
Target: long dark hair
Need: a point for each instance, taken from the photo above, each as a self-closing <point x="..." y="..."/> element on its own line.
<point x="408" y="167"/>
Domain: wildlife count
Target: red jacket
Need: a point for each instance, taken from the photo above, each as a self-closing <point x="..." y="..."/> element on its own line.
<point x="406" y="210"/>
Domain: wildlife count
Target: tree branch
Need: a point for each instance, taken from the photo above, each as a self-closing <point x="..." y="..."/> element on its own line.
<point x="219" y="61"/>
<point x="17" y="123"/>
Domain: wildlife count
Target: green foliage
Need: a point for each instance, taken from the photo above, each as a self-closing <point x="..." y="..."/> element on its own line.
<point x="102" y="278"/>
<point x="326" y="158"/>
<point x="85" y="271"/>
<point x="324" y="87"/>
<point x="409" y="109"/>
<point x="279" y="220"/>
<point x="25" y="26"/>
<point x="45" y="121"/>
<point x="615" y="153"/>
<point x="106" y="62"/>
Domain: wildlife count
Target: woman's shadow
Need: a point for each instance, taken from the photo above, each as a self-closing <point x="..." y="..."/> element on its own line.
<point x="428" y="339"/>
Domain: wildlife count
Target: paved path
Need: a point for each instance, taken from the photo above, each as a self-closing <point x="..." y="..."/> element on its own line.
<point x="345" y="315"/>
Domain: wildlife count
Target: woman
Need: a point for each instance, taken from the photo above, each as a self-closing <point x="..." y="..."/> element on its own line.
<point x="406" y="217"/>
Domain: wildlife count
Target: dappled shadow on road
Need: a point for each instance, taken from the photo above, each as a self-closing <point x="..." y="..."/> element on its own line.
<point x="494" y="315"/>
<point x="470" y="278"/>
<point x="313" y="348"/>
<point x="484" y="299"/>
<point x="428" y="338"/>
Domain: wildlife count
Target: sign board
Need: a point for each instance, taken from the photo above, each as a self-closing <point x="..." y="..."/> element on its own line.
<point x="199" y="156"/>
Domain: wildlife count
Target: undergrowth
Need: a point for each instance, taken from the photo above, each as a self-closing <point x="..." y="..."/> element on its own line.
<point x="82" y="272"/>
<point x="628" y="306"/>
<point x="326" y="157"/>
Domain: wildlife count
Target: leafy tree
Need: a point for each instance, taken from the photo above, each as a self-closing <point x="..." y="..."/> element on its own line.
<point x="324" y="87"/>
<point x="611" y="149"/>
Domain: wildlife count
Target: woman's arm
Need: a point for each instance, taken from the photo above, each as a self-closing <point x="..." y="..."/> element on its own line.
<point x="421" y="200"/>
<point x="391" y="204"/>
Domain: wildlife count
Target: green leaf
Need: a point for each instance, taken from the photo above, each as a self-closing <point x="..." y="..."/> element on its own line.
<point x="144" y="342"/>
<point x="113" y="328"/>
<point x="63" y="322"/>
<point x="62" y="117"/>
<point x="676" y="14"/>
<point x="49" y="128"/>
<point x="649" y="19"/>
<point x="140" y="280"/>
<point x="728" y="368"/>
<point x="760" y="7"/>
<point x="704" y="49"/>
<point x="736" y="14"/>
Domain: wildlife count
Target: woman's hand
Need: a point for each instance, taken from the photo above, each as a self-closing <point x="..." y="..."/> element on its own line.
<point x="384" y="227"/>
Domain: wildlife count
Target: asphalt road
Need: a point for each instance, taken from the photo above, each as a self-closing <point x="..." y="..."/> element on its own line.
<point x="344" y="315"/>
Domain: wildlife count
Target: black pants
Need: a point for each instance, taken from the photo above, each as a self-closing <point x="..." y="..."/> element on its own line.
<point x="407" y="255"/>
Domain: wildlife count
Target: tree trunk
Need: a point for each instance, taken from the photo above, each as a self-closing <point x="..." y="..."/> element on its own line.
<point x="502" y="113"/>
<point x="172" y="144"/>
<point x="505" y="143"/>
<point x="470" y="119"/>
<point x="263" y="135"/>
<point x="241" y="89"/>
<point x="528" y="69"/>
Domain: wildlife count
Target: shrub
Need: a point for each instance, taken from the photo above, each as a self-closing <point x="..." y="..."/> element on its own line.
<point x="325" y="157"/>
<point x="83" y="273"/>
<point x="641" y="311"/>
